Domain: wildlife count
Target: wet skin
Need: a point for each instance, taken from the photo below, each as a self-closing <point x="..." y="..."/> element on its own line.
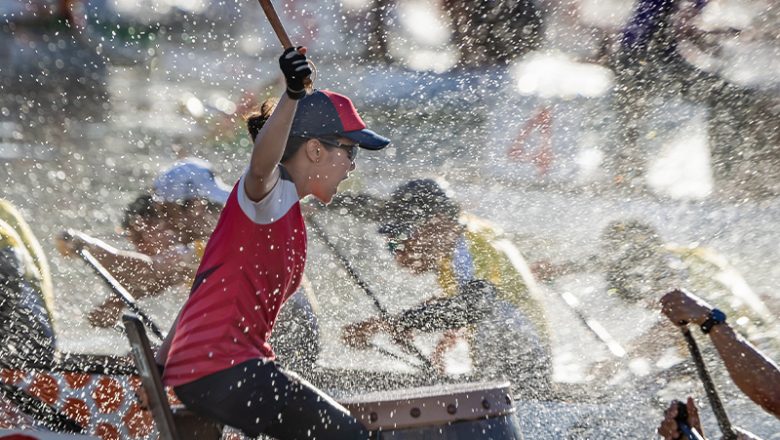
<point x="427" y="245"/>
<point x="333" y="168"/>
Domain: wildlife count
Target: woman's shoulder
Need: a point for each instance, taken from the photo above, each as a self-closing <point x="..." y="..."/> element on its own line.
<point x="275" y="205"/>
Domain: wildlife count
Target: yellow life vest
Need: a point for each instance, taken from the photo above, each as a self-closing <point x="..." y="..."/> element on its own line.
<point x="16" y="233"/>
<point x="491" y="261"/>
<point x="16" y="226"/>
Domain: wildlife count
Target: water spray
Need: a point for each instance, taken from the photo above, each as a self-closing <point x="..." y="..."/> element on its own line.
<point x="284" y="39"/>
<point x="408" y="346"/>
<point x="281" y="34"/>
<point x="119" y="291"/>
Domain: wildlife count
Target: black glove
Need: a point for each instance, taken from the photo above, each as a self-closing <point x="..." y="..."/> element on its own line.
<point x="295" y="69"/>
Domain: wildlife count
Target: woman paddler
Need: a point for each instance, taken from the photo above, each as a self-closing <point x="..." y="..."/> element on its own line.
<point x="217" y="355"/>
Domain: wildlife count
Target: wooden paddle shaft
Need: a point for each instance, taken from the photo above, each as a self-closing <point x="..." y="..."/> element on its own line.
<point x="119" y="290"/>
<point x="278" y="27"/>
<point x="709" y="387"/>
<point x="407" y="345"/>
<point x="276" y="24"/>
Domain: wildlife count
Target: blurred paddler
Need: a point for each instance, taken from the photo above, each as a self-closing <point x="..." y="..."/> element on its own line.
<point x="638" y="267"/>
<point x="489" y="297"/>
<point x="26" y="299"/>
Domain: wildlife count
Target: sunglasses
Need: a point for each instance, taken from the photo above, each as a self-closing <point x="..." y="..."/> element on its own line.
<point x="394" y="246"/>
<point x="398" y="242"/>
<point x="352" y="149"/>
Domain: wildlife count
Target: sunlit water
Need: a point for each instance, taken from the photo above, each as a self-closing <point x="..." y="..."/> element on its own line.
<point x="79" y="168"/>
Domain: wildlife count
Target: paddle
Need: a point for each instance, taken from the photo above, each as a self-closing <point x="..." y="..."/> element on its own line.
<point x="119" y="290"/>
<point x="281" y="34"/>
<point x="594" y="326"/>
<point x="276" y="24"/>
<point x="49" y="416"/>
<point x="709" y="386"/>
<point x="601" y="332"/>
<point x="407" y="345"/>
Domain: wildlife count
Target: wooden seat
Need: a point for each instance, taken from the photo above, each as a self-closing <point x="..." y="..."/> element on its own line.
<point x="173" y="423"/>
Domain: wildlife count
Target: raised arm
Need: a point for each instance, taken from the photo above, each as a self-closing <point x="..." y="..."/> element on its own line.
<point x="755" y="374"/>
<point x="272" y="138"/>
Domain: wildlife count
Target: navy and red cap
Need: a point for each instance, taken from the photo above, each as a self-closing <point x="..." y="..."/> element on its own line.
<point x="326" y="113"/>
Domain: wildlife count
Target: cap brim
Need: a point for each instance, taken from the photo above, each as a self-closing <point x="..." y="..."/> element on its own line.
<point x="218" y="192"/>
<point x="367" y="139"/>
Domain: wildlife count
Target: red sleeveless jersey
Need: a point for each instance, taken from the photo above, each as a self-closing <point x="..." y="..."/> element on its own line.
<point x="253" y="262"/>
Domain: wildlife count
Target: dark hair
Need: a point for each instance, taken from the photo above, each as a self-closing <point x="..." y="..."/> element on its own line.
<point x="634" y="260"/>
<point x="143" y="207"/>
<point x="414" y="203"/>
<point x="256" y="120"/>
